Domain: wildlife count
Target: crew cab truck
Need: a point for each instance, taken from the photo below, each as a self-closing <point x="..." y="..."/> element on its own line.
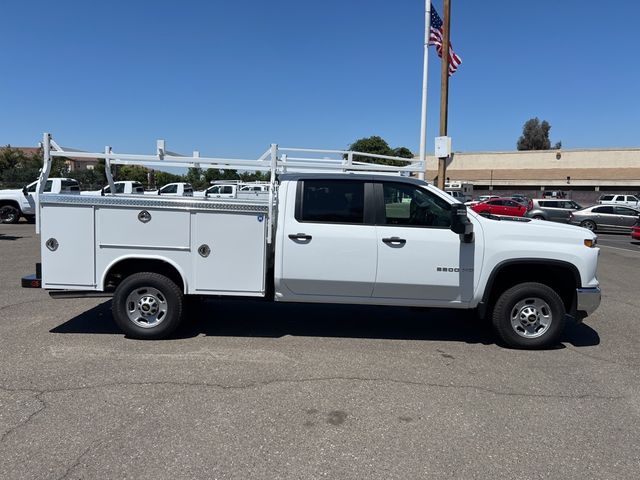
<point x="235" y="190"/>
<point x="17" y="203"/>
<point x="349" y="237"/>
<point x="124" y="187"/>
<point x="176" y="189"/>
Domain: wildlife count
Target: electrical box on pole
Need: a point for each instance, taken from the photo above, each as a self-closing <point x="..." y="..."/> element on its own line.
<point x="443" y="147"/>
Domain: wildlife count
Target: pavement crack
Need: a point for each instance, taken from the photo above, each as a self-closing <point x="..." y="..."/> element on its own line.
<point x="75" y="463"/>
<point x="32" y="415"/>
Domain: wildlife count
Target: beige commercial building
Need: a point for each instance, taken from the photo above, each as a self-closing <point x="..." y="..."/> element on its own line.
<point x="582" y="174"/>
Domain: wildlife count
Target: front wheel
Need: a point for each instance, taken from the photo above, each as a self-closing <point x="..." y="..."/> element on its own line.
<point x="10" y="214"/>
<point x="538" y="217"/>
<point x="147" y="305"/>
<point x="530" y="315"/>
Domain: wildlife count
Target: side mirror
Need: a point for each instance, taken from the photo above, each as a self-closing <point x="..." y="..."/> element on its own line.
<point x="460" y="223"/>
<point x="24" y="191"/>
<point x="159" y="192"/>
<point x="102" y="191"/>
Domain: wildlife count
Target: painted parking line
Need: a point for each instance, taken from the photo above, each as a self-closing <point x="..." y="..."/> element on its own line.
<point x="632" y="250"/>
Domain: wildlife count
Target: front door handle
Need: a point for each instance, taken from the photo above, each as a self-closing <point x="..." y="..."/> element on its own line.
<point x="300" y="236"/>
<point x="394" y="241"/>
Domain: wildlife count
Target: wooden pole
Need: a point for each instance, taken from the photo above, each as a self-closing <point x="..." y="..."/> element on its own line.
<point x="444" y="88"/>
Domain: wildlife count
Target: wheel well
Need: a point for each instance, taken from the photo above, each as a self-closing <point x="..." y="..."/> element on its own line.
<point x="121" y="270"/>
<point x="561" y="277"/>
<point x="9" y="203"/>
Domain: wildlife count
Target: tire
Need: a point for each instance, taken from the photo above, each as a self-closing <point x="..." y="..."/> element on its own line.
<point x="529" y="316"/>
<point x="538" y="217"/>
<point x="10" y="214"/>
<point x="589" y="225"/>
<point x="147" y="305"/>
<point x="30" y="218"/>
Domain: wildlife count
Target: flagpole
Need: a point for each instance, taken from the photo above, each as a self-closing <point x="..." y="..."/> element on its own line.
<point x="425" y="71"/>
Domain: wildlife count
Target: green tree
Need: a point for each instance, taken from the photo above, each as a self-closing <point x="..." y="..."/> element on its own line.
<point x="137" y="173"/>
<point x="377" y="145"/>
<point x="535" y="136"/>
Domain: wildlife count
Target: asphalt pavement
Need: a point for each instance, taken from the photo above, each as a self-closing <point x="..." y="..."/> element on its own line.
<point x="253" y="390"/>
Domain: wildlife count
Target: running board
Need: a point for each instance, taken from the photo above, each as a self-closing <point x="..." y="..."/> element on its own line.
<point x="78" y="294"/>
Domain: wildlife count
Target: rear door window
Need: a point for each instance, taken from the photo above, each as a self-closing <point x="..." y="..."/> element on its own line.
<point x="331" y="201"/>
<point x="625" y="211"/>
<point x="606" y="209"/>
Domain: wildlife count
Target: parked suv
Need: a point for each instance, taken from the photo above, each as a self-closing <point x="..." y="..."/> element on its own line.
<point x="627" y="200"/>
<point x="554" y="210"/>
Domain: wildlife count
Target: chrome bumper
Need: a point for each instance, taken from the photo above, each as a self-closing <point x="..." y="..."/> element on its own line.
<point x="588" y="300"/>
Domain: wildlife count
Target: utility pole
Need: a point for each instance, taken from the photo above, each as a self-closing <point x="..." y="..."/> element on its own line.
<point x="444" y="88"/>
<point x="425" y="76"/>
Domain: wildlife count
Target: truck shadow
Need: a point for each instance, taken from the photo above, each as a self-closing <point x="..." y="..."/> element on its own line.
<point x="236" y="318"/>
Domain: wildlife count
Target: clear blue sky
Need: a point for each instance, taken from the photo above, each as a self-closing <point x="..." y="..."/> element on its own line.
<point x="230" y="77"/>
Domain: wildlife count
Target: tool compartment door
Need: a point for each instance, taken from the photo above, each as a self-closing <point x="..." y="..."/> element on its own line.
<point x="229" y="253"/>
<point x="67" y="247"/>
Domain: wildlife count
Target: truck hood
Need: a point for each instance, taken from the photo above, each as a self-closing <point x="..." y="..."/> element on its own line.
<point x="542" y="229"/>
<point x="11" y="191"/>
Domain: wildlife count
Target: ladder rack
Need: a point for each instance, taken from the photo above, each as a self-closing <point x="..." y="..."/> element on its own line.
<point x="275" y="160"/>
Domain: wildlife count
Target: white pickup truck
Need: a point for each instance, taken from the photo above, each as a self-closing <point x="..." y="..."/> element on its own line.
<point x="349" y="238"/>
<point x="235" y="190"/>
<point x="18" y="203"/>
<point x="626" y="200"/>
<point x="123" y="187"/>
<point x="177" y="189"/>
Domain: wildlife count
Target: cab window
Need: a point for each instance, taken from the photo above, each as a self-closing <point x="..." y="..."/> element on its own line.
<point x="411" y="206"/>
<point x="331" y="201"/>
<point x="169" y="189"/>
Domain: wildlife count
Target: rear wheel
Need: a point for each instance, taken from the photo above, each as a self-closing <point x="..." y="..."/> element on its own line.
<point x="589" y="225"/>
<point x="538" y="217"/>
<point x="147" y="305"/>
<point x="10" y="214"/>
<point x="530" y="315"/>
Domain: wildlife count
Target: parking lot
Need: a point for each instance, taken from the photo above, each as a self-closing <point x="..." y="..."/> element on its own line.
<point x="260" y="390"/>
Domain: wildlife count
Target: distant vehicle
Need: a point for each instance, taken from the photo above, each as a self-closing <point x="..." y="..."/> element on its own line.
<point x="462" y="191"/>
<point x="177" y="189"/>
<point x="554" y="210"/>
<point x="500" y="206"/>
<point x="235" y="190"/>
<point x="613" y="218"/>
<point x="627" y="200"/>
<point x="635" y="232"/>
<point x="481" y="198"/>
<point x="554" y="194"/>
<point x="18" y="203"/>
<point x="524" y="200"/>
<point x="125" y="187"/>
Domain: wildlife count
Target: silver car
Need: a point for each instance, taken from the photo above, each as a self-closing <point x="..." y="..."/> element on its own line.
<point x="552" y="209"/>
<point x="614" y="218"/>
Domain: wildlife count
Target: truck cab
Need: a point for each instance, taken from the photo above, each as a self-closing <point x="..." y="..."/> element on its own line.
<point x="176" y="189"/>
<point x="17" y="203"/>
<point x="123" y="187"/>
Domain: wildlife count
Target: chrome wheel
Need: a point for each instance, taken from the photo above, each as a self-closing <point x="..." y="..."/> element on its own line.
<point x="146" y="307"/>
<point x="531" y="317"/>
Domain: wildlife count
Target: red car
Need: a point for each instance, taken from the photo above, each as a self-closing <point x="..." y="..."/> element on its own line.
<point x="500" y="206"/>
<point x="635" y="232"/>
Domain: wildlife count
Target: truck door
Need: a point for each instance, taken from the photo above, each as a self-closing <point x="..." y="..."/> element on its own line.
<point x="419" y="257"/>
<point x="328" y="244"/>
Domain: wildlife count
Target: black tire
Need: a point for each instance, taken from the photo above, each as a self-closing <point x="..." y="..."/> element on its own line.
<point x="146" y="290"/>
<point x="30" y="218"/>
<point x="10" y="214"/>
<point x="539" y="217"/>
<point x="589" y="225"/>
<point x="523" y="303"/>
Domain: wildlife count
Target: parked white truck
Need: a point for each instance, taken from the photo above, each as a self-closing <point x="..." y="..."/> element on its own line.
<point x="235" y="190"/>
<point x="176" y="189"/>
<point x="17" y="203"/>
<point x="123" y="187"/>
<point x="349" y="237"/>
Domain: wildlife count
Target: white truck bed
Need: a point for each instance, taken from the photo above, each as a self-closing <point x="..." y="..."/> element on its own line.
<point x="103" y="231"/>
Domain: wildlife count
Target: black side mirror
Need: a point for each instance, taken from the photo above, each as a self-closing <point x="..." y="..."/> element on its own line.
<point x="24" y="191"/>
<point x="460" y="223"/>
<point x="102" y="191"/>
<point x="159" y="192"/>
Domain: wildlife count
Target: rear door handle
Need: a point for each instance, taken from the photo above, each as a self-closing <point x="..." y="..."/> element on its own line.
<point x="394" y="240"/>
<point x="299" y="236"/>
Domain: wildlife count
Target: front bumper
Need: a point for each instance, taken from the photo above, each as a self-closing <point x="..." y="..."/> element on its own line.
<point x="587" y="301"/>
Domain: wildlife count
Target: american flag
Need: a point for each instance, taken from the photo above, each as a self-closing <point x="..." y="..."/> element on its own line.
<point x="436" y="36"/>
